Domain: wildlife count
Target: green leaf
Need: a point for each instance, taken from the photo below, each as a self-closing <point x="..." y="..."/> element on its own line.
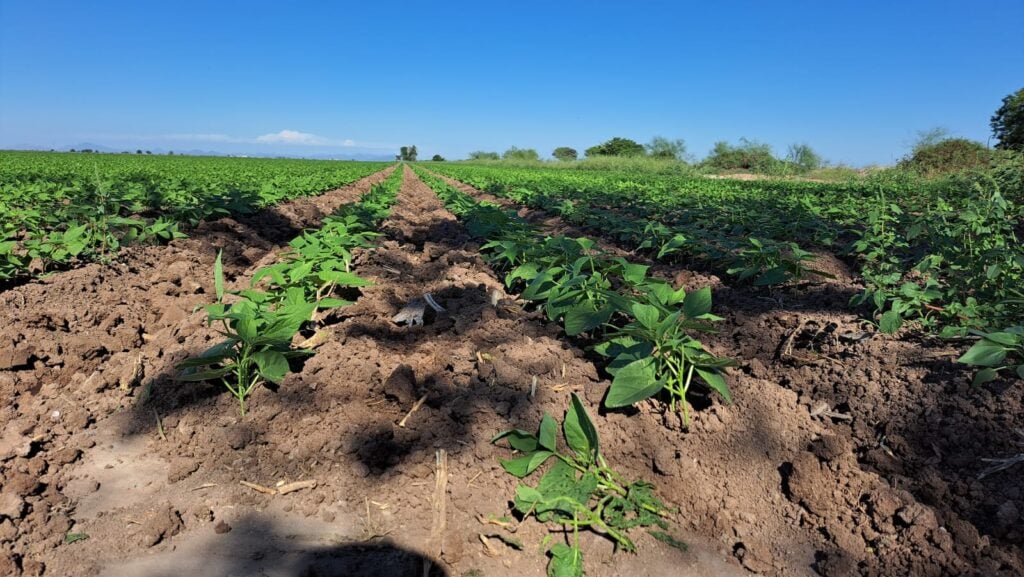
<point x="985" y="375"/>
<point x="772" y="276"/>
<point x="669" y="540"/>
<point x="984" y="354"/>
<point x="582" y="319"/>
<point x="523" y="466"/>
<point x="1007" y="339"/>
<point x="1020" y="371"/>
<point x="646" y="315"/>
<point x="890" y="322"/>
<point x="548" y="432"/>
<point x="579" y="431"/>
<point x="73" y="537"/>
<point x="697" y="303"/>
<point x="633" y="383"/>
<point x="245" y="326"/>
<point x="528" y="495"/>
<point x="273" y="365"/>
<point x="518" y="440"/>
<point x="218" y="276"/>
<point x="717" y="382"/>
<point x="566" y="561"/>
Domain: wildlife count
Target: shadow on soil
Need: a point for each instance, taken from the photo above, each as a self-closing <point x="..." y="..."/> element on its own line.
<point x="257" y="546"/>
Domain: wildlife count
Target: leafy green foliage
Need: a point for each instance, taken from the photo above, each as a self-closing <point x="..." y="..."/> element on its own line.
<point x="57" y="210"/>
<point x="949" y="155"/>
<point x="1008" y="122"/>
<point x="520" y="154"/>
<point x="258" y="339"/>
<point x="749" y="155"/>
<point x="643" y="325"/>
<point x="565" y="153"/>
<point x="666" y="149"/>
<point x="617" y="147"/>
<point x="261" y="324"/>
<point x="579" y="490"/>
<point x="996" y="352"/>
<point x="942" y="254"/>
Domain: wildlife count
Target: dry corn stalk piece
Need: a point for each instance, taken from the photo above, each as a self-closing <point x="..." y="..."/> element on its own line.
<point x="283" y="489"/>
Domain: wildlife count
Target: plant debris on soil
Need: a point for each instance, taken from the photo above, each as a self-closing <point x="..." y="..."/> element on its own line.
<point x="845" y="452"/>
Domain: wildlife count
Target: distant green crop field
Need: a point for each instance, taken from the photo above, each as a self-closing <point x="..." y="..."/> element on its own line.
<point x="944" y="254"/>
<point x="57" y="208"/>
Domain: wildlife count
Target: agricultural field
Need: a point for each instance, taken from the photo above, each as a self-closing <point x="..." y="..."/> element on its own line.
<point x="59" y="210"/>
<point x="279" y="367"/>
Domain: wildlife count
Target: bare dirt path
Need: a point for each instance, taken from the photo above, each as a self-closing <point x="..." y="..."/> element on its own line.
<point x="845" y="450"/>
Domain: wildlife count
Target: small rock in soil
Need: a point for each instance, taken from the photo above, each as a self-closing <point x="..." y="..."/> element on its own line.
<point x="221" y="527"/>
<point x="12" y="506"/>
<point x="1007" y="514"/>
<point x="401" y="385"/>
<point x="162" y="524"/>
<point x="180" y="469"/>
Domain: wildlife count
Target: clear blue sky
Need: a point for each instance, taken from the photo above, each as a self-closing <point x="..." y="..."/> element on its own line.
<point x="854" y="79"/>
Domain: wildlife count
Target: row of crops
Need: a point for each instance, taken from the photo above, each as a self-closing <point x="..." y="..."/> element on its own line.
<point x="641" y="325"/>
<point x="59" y="209"/>
<point x="315" y="275"/>
<point x="940" y="255"/>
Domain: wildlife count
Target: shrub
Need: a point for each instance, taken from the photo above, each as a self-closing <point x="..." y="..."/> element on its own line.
<point x="747" y="155"/>
<point x="947" y="156"/>
<point x="520" y="154"/>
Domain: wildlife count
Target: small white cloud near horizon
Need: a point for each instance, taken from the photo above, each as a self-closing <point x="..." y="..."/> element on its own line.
<point x="287" y="136"/>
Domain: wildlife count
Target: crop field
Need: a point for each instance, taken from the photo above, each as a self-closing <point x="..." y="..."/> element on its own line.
<point x="279" y="367"/>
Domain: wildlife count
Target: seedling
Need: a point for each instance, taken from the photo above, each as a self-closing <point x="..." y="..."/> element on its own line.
<point x="258" y="343"/>
<point x="579" y="490"/>
<point x="655" y="351"/>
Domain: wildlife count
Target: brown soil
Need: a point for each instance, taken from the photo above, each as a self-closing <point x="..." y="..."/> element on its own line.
<point x="99" y="440"/>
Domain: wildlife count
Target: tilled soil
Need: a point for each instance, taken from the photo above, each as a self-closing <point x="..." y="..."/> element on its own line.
<point x="843" y="453"/>
<point x="846" y="451"/>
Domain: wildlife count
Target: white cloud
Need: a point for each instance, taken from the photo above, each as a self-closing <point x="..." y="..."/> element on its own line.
<point x="293" y="137"/>
<point x="286" y="137"/>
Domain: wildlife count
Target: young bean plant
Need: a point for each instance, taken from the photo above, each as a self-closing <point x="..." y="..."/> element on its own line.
<point x="579" y="491"/>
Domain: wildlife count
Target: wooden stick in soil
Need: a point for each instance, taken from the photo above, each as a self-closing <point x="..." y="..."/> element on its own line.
<point x="414" y="408"/>
<point x="440" y="504"/>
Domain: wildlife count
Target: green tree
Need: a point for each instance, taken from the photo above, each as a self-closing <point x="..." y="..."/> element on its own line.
<point x="565" y="153"/>
<point x="617" y="147"/>
<point x="407" y="153"/>
<point x="1008" y="122"/>
<point x="661" y="147"/>
<point x="437" y="158"/>
<point x="802" y="155"/>
<point x="520" y="154"/>
<point x="481" y="155"/>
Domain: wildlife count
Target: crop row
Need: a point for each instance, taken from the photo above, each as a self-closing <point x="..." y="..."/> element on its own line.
<point x="57" y="209"/>
<point x="262" y="323"/>
<point x="944" y="254"/>
<point x="642" y="325"/>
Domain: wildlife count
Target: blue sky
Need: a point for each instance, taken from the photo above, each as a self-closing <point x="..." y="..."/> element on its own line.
<point x="856" y="80"/>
